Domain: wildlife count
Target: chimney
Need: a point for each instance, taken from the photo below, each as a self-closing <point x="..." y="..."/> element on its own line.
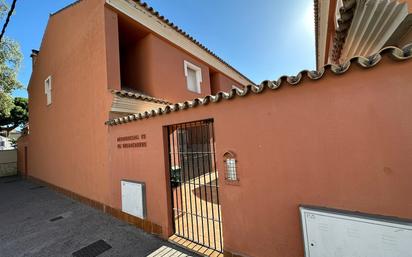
<point x="33" y="56"/>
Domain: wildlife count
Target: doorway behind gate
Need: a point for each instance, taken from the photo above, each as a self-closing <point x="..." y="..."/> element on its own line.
<point x="194" y="184"/>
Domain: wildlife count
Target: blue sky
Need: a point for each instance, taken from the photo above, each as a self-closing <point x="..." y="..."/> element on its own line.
<point x="263" y="39"/>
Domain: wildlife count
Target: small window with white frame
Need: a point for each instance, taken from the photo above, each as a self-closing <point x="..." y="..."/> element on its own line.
<point x="193" y="75"/>
<point x="48" y="89"/>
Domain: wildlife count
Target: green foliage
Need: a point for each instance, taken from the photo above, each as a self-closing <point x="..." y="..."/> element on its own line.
<point x="13" y="142"/>
<point x="6" y="104"/>
<point x="19" y="115"/>
<point x="175" y="176"/>
<point x="12" y="112"/>
<point x="3" y="9"/>
<point x="10" y="60"/>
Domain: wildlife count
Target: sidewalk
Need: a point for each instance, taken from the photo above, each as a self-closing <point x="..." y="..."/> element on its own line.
<point x="36" y="221"/>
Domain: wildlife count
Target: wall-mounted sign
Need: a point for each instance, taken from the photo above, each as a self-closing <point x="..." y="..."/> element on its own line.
<point x="122" y="142"/>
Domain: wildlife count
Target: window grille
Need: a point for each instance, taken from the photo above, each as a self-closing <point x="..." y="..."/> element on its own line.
<point x="230" y="166"/>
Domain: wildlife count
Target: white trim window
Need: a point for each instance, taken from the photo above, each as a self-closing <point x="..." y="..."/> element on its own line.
<point x="193" y="77"/>
<point x="48" y="90"/>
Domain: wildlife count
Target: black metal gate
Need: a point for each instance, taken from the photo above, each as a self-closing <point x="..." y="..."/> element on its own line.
<point x="194" y="183"/>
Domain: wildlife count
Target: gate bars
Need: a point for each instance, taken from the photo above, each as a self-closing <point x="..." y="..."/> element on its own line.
<point x="194" y="183"/>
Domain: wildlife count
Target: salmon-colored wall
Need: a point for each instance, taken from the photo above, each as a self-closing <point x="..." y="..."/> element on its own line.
<point x="135" y="68"/>
<point x="156" y="67"/>
<point x="221" y="83"/>
<point x="342" y="142"/>
<point x="22" y="142"/>
<point x="409" y="3"/>
<point x="80" y="51"/>
<point x="68" y="139"/>
<point x="112" y="49"/>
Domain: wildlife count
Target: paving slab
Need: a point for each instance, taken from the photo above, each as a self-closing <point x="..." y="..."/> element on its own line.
<point x="36" y="221"/>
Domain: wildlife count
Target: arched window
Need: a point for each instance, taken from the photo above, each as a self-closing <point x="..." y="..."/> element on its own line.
<point x="229" y="159"/>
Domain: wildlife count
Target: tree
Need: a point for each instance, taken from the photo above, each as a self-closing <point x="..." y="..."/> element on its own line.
<point x="3" y="9"/>
<point x="13" y="113"/>
<point x="10" y="60"/>
<point x="18" y="116"/>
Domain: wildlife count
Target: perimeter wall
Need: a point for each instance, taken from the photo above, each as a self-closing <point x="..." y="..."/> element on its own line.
<point x="343" y="141"/>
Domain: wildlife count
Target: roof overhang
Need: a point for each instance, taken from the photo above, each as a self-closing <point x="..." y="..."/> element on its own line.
<point x="133" y="102"/>
<point x="364" y="27"/>
<point x="404" y="29"/>
<point x="392" y="52"/>
<point x="157" y="24"/>
<point x="322" y="9"/>
<point x="374" y="22"/>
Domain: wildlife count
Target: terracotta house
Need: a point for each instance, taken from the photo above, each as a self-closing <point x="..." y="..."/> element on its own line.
<point x="154" y="112"/>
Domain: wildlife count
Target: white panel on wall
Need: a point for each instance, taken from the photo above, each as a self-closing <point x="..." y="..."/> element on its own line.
<point x="134" y="198"/>
<point x="330" y="233"/>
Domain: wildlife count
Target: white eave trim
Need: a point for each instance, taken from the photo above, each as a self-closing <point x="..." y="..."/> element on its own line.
<point x="373" y="23"/>
<point x="130" y="105"/>
<point x="142" y="16"/>
<point x="323" y="16"/>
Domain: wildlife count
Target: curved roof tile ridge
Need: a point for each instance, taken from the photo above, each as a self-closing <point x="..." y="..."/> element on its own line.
<point x="139" y="96"/>
<point x="366" y="62"/>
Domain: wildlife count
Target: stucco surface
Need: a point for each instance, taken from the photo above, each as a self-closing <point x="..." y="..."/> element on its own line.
<point x="68" y="142"/>
<point x="26" y="229"/>
<point x="341" y="142"/>
<point x="155" y="67"/>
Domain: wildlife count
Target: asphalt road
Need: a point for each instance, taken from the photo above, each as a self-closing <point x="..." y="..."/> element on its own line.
<point x="26" y="229"/>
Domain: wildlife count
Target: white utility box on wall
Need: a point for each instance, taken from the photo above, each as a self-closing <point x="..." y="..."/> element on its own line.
<point x="350" y="234"/>
<point x="134" y="198"/>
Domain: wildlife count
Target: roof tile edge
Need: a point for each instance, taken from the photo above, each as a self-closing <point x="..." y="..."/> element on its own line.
<point x="139" y="96"/>
<point x="366" y="62"/>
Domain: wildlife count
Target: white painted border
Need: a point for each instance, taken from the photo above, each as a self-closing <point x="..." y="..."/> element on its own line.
<point x="48" y="97"/>
<point x="323" y="22"/>
<point x="198" y="70"/>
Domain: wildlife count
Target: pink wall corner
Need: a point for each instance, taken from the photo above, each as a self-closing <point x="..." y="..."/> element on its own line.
<point x="142" y="164"/>
<point x="221" y="83"/>
<point x="112" y="49"/>
<point x="22" y="155"/>
<point x="166" y="71"/>
<point x="68" y="139"/>
<point x="136" y="66"/>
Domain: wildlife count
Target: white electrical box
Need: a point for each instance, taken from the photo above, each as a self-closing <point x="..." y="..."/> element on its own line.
<point x="134" y="198"/>
<point x="330" y="233"/>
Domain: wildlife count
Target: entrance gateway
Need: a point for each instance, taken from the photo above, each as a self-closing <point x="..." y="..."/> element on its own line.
<point x="196" y="211"/>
